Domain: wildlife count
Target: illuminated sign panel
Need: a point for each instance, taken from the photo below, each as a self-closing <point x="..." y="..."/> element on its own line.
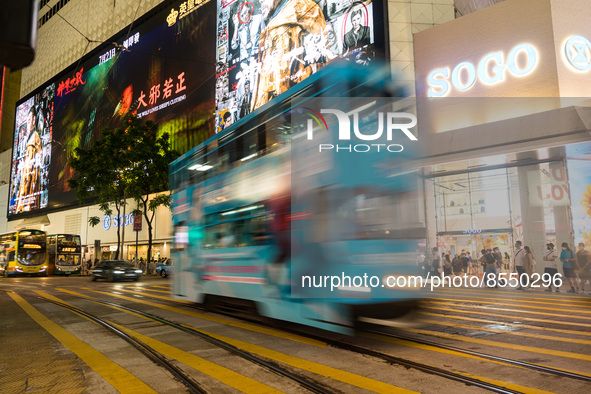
<point x="577" y="50"/>
<point x="491" y="69"/>
<point x="69" y="250"/>
<point x="31" y="246"/>
<point x="265" y="47"/>
<point x="158" y="72"/>
<point x="31" y="153"/>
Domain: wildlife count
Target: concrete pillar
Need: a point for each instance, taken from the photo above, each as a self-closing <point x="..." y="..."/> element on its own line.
<point x="532" y="212"/>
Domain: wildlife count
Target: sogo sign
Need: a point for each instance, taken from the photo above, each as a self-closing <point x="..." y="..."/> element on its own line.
<point x="491" y="70"/>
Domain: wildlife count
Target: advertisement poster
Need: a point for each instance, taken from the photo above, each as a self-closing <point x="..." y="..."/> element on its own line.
<point x="264" y="47"/>
<point x="31" y="153"/>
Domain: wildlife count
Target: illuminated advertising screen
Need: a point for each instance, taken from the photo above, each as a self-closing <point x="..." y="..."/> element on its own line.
<point x="162" y="68"/>
<point x="264" y="47"/>
<point x="31" y="153"/>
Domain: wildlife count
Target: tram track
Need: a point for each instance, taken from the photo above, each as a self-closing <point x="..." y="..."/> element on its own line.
<point x="147" y="351"/>
<point x="307" y="383"/>
<point x="523" y="364"/>
<point x="433" y="370"/>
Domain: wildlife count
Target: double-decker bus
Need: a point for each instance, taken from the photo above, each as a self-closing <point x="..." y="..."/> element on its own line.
<point x="24" y="252"/>
<point x="65" y="254"/>
<point x="265" y="219"/>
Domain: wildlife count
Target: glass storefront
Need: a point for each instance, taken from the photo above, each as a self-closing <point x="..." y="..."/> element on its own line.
<point x="537" y="197"/>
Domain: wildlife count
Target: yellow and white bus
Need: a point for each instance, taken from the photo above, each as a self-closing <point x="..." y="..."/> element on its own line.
<point x="23" y="252"/>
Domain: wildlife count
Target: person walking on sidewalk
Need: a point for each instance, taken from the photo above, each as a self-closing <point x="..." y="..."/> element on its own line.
<point x="568" y="263"/>
<point x="518" y="260"/>
<point x="551" y="259"/>
<point x="529" y="263"/>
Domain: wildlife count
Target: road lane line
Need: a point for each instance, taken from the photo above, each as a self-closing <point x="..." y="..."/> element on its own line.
<point x="499" y="331"/>
<point x="223" y="374"/>
<point x="246" y="326"/>
<point x="522" y="306"/>
<point x="488" y="308"/>
<point x="485" y="342"/>
<point x="516" y="300"/>
<point x="114" y="374"/>
<point x="333" y="373"/>
<point x="502" y="323"/>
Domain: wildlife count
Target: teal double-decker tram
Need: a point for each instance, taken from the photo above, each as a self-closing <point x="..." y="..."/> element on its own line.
<point x="264" y="218"/>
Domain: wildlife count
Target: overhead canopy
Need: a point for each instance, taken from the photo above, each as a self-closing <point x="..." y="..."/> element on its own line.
<point x="35" y="222"/>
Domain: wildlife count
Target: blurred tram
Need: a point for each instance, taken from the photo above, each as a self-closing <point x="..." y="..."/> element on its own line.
<point x="263" y="219"/>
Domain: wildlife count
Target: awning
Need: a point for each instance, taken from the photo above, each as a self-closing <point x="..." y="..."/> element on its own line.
<point x="35" y="222"/>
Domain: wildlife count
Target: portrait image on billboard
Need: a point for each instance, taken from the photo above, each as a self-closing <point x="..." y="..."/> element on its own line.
<point x="264" y="47"/>
<point x="31" y="153"/>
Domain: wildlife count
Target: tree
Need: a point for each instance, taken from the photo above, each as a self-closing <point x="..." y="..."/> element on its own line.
<point x="125" y="163"/>
<point x="100" y="177"/>
<point x="147" y="172"/>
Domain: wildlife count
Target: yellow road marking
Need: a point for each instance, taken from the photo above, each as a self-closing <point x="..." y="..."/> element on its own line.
<point x="510" y="386"/>
<point x="471" y="299"/>
<point x="310" y="366"/>
<point x="157" y="291"/>
<point x="118" y="377"/>
<point x="162" y="287"/>
<point x="531" y="349"/>
<point x="503" y="316"/>
<point x="550" y="296"/>
<point x="515" y="310"/>
<point x="157" y="296"/>
<point x="403" y="342"/>
<point x="246" y="326"/>
<point x="333" y="373"/>
<point x="501" y="323"/>
<point x="224" y="375"/>
<point x="499" y="331"/>
<point x="523" y="306"/>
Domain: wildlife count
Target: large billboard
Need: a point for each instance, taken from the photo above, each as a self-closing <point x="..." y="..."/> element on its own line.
<point x="31" y="153"/>
<point x="161" y="68"/>
<point x="264" y="47"/>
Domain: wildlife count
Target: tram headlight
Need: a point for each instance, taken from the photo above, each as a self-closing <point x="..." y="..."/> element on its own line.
<point x="138" y="271"/>
<point x="118" y="272"/>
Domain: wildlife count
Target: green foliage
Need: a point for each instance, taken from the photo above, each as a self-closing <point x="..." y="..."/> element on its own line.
<point x="125" y="163"/>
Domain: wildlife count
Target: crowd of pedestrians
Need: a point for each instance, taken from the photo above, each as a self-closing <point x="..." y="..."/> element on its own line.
<point x="576" y="266"/>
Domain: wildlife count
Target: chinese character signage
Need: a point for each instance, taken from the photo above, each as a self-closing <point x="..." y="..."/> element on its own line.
<point x="264" y="47"/>
<point x="158" y="72"/>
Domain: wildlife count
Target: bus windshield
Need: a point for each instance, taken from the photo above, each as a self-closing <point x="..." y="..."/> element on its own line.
<point x="31" y="257"/>
<point x="32" y="236"/>
<point x="68" y="259"/>
<point x="68" y="240"/>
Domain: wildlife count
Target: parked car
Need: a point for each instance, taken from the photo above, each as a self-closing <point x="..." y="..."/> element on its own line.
<point x="113" y="270"/>
<point x="165" y="269"/>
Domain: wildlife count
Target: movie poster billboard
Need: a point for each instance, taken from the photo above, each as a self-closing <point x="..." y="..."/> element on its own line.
<point x="31" y="153"/>
<point x="162" y="69"/>
<point x="264" y="47"/>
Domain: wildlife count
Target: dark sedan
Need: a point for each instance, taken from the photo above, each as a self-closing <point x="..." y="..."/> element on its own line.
<point x="113" y="270"/>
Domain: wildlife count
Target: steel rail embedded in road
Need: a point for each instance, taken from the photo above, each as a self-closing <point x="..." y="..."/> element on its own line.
<point x="524" y="364"/>
<point x="153" y="355"/>
<point x="302" y="381"/>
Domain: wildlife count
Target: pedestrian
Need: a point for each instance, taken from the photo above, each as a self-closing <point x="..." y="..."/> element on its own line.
<point x="142" y="265"/>
<point x="551" y="266"/>
<point x="528" y="265"/>
<point x="584" y="263"/>
<point x="88" y="266"/>
<point x="507" y="261"/>
<point x="490" y="274"/>
<point x="518" y="260"/>
<point x="152" y="267"/>
<point x="465" y="261"/>
<point x="435" y="262"/>
<point x="457" y="266"/>
<point x="447" y="265"/>
<point x="568" y="261"/>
